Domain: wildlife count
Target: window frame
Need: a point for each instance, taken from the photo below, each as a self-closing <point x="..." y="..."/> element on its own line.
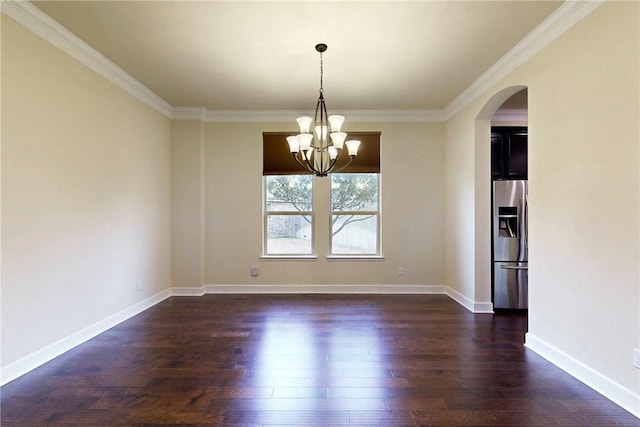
<point x="266" y="213"/>
<point x="377" y="214"/>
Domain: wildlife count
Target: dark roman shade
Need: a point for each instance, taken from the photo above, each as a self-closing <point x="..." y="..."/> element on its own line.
<point x="277" y="159"/>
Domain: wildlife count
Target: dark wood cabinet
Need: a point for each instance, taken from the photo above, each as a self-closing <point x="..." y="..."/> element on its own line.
<point x="508" y="153"/>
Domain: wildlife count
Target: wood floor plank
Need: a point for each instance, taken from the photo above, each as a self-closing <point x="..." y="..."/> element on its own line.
<point x="307" y="360"/>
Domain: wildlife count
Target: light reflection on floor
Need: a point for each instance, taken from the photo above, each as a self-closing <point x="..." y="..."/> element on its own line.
<point x="329" y="364"/>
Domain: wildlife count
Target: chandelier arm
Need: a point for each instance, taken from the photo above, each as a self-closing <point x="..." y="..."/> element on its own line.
<point x="324" y="169"/>
<point x="323" y="111"/>
<point x="332" y="163"/>
<point x="304" y="165"/>
<point x="319" y="107"/>
<point x="344" y="166"/>
<point x="311" y="168"/>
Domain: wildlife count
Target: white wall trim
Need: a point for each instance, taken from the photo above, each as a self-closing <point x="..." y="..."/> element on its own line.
<point x="50" y="352"/>
<point x="188" y="291"/>
<point x="566" y="16"/>
<point x="189" y="113"/>
<point x="627" y="399"/>
<point x="32" y="18"/>
<point x="253" y="116"/>
<point x="309" y="289"/>
<point x="393" y="115"/>
<point x="483" y="307"/>
<point x="472" y="306"/>
<point x="44" y="26"/>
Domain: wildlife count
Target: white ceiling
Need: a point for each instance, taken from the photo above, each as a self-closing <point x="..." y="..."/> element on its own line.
<point x="237" y="55"/>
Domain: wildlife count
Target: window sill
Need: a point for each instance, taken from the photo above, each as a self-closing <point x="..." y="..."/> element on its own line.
<point x="355" y="258"/>
<point x="289" y="258"/>
<point x="328" y="258"/>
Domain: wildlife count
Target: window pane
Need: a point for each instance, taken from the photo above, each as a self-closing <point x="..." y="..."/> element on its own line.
<point x="288" y="234"/>
<point x="289" y="193"/>
<point x="354" y="192"/>
<point x="354" y="234"/>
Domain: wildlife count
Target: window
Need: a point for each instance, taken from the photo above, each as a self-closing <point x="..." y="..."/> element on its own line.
<point x="349" y="201"/>
<point x="355" y="214"/>
<point x="288" y="219"/>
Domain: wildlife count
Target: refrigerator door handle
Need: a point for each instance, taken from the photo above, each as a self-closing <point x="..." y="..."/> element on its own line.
<point x="514" y="267"/>
<point x="526" y="220"/>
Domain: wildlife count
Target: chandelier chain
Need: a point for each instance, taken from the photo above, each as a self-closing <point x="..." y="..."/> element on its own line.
<point x="321" y="73"/>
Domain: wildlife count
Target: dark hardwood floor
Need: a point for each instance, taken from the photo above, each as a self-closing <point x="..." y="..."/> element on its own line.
<point x="307" y="360"/>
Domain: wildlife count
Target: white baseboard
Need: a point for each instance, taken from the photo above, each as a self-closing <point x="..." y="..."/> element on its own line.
<point x="610" y="389"/>
<point x="472" y="306"/>
<point x="188" y="291"/>
<point x="323" y="289"/>
<point x="50" y="352"/>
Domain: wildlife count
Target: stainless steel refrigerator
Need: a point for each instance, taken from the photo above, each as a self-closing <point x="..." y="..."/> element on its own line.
<point x="510" y="245"/>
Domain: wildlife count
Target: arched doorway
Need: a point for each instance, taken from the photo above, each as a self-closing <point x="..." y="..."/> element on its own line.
<point x="482" y="162"/>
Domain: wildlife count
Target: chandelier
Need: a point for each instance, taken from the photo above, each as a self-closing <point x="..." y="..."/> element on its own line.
<point x="318" y="151"/>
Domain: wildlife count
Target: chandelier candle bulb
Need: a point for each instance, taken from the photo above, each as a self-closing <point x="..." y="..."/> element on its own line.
<point x="304" y="123"/>
<point x="336" y="122"/>
<point x="352" y="146"/>
<point x="338" y="139"/>
<point x="305" y="140"/>
<point x="294" y="144"/>
<point x="321" y="133"/>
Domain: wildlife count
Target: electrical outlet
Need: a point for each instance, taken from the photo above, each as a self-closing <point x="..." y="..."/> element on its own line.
<point x="636" y="358"/>
<point x="254" y="271"/>
<point x="139" y="285"/>
<point x="400" y="271"/>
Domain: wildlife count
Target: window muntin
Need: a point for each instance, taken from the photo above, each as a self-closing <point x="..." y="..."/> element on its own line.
<point x="355" y="214"/>
<point x="288" y="215"/>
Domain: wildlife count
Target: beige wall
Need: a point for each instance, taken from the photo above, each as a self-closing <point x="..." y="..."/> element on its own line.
<point x="187" y="203"/>
<point x="584" y="193"/>
<point x="412" y="162"/>
<point x="460" y="212"/>
<point x="85" y="196"/>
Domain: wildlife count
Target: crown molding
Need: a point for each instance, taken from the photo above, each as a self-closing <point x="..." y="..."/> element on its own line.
<point x="239" y="116"/>
<point x="566" y="16"/>
<point x="252" y="116"/>
<point x="393" y="115"/>
<point x="188" y="113"/>
<point x="44" y="26"/>
<point x="32" y="18"/>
